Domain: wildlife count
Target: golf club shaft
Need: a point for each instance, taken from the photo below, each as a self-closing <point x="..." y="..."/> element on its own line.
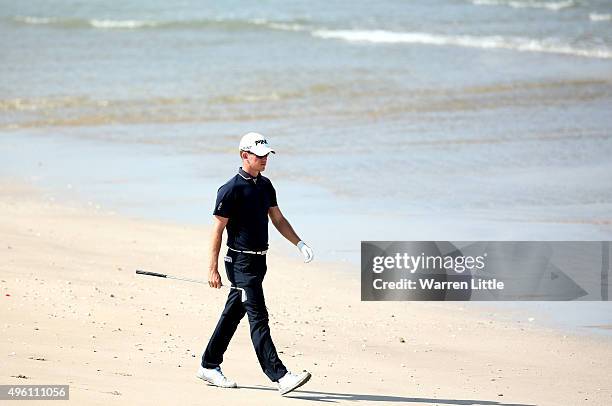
<point x="163" y="275"/>
<point x="186" y="279"/>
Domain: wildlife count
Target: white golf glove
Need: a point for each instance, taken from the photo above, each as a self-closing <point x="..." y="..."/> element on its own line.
<point x="306" y="251"/>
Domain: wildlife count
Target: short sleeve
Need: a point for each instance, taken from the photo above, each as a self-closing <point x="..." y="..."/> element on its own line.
<point x="225" y="202"/>
<point x="273" y="202"/>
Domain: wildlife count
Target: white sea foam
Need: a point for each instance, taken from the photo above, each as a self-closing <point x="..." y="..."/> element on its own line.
<point x="549" y="45"/>
<point x="600" y="17"/>
<point x="95" y="23"/>
<point x="122" y="24"/>
<point x="283" y="26"/>
<point x="548" y="5"/>
<point x="287" y="27"/>
<point x="109" y="24"/>
<point x="35" y="20"/>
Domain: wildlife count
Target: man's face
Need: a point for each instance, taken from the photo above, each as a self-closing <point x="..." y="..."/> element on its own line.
<point x="257" y="162"/>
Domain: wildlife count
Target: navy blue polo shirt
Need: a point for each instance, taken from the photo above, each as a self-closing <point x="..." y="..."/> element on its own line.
<point x="245" y="201"/>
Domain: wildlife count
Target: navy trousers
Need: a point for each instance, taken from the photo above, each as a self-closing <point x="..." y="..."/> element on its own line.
<point x="245" y="271"/>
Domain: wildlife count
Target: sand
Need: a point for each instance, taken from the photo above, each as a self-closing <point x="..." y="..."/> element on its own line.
<point x="74" y="312"/>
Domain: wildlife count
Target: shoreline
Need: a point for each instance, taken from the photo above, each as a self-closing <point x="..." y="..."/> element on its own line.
<point x="157" y="182"/>
<point x="140" y="183"/>
<point x="78" y="315"/>
<point x="544" y="313"/>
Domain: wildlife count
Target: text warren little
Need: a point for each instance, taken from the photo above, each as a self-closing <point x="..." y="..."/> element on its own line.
<point x="432" y="284"/>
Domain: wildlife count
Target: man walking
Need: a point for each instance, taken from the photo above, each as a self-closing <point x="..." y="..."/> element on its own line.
<point x="243" y="206"/>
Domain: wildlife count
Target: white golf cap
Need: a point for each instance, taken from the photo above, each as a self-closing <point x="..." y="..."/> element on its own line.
<point x="255" y="143"/>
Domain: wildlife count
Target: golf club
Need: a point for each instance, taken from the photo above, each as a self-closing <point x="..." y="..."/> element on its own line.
<point x="243" y="295"/>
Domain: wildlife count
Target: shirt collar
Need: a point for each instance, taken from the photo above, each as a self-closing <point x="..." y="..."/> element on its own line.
<point x="245" y="175"/>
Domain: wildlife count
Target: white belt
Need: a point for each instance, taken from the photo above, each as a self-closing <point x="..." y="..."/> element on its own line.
<point x="249" y="252"/>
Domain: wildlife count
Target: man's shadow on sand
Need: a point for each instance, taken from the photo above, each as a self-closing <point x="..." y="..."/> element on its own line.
<point x="336" y="397"/>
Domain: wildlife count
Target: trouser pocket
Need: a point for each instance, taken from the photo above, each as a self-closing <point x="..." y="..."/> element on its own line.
<point x="229" y="260"/>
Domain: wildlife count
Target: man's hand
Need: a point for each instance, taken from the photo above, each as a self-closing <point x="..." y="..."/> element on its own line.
<point x="306" y="251"/>
<point x="214" y="279"/>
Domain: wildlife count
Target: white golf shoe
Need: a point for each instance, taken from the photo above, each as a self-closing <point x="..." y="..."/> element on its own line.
<point x="215" y="377"/>
<point x="292" y="381"/>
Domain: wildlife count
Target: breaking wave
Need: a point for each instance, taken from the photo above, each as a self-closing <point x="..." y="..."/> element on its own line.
<point x="547" y="5"/>
<point x="550" y="45"/>
<point x="108" y="24"/>
<point x="516" y="43"/>
<point x="600" y="17"/>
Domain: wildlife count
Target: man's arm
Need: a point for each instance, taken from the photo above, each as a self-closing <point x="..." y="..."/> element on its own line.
<point x="282" y="225"/>
<point x="214" y="279"/>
